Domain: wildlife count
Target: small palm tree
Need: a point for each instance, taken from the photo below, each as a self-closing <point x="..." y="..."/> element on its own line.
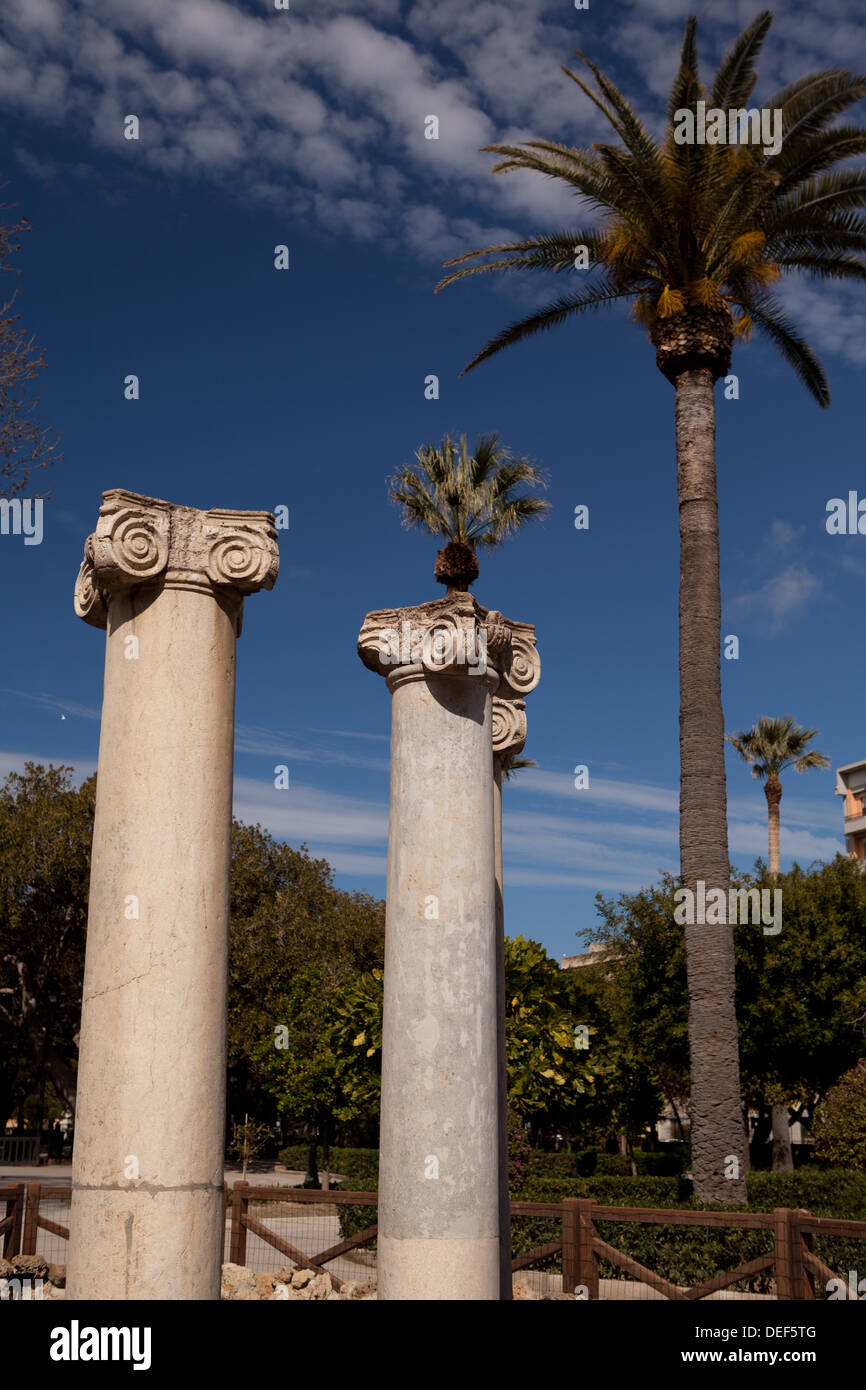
<point x="469" y="498"/>
<point x="513" y="765"/>
<point x="694" y="236"/>
<point x="770" y="746"/>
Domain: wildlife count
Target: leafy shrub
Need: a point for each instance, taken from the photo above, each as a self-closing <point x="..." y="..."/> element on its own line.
<point x="690" y="1255"/>
<point x="521" y="1160"/>
<point x="840" y="1125"/>
<point x="360" y="1166"/>
<point x="684" y="1255"/>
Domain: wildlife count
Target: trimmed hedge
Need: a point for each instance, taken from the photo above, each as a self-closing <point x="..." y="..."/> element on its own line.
<point x="360" y="1165"/>
<point x="690" y="1255"/>
<point x="586" y="1163"/>
<point x="684" y="1255"/>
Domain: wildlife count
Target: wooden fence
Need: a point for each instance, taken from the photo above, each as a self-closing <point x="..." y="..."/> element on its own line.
<point x="579" y="1247"/>
<point x="243" y="1194"/>
<point x="791" y="1257"/>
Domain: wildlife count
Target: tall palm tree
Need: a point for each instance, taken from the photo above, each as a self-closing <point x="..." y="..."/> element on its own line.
<point x="470" y="498"/>
<point x="770" y="746"/>
<point x="694" y="236"/>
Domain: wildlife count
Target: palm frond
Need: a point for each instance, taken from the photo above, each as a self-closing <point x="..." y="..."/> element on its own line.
<point x="770" y="319"/>
<point x="738" y="73"/>
<point x="550" y="317"/>
<point x="554" y="252"/>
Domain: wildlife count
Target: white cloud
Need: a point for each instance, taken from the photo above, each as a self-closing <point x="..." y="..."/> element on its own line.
<point x="781" y="598"/>
<point x="14" y="762"/>
<point x="302" y="813"/>
<point x="322" y="107"/>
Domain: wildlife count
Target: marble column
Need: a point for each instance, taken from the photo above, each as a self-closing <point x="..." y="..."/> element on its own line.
<point x="439" y="1174"/>
<point x="167" y="583"/>
<point x="509" y="737"/>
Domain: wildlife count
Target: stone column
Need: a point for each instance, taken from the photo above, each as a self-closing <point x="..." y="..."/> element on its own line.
<point x="439" y="1150"/>
<point x="509" y="737"/>
<point x="168" y="584"/>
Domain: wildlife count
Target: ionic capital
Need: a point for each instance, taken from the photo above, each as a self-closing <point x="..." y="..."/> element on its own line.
<point x="509" y="728"/>
<point x="453" y="636"/>
<point x="145" y="541"/>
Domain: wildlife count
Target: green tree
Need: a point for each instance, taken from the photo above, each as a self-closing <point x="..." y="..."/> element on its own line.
<point x="288" y="922"/>
<point x="548" y="1069"/>
<point x="46" y="826"/>
<point x="769" y="747"/>
<point x="470" y="498"/>
<point x="322" y="1061"/>
<point x="694" y="235"/>
<point x="840" y="1126"/>
<point x="801" y="993"/>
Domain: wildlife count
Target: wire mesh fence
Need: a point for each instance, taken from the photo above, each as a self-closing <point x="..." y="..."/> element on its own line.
<point x="270" y="1228"/>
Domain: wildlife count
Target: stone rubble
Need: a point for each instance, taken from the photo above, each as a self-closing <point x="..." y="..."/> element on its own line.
<point x="243" y="1285"/>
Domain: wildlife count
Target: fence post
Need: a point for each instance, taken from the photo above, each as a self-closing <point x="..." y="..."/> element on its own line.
<point x="803" y="1280"/>
<point x="587" y="1261"/>
<point x="31" y="1219"/>
<point x="570" y="1228"/>
<point x="15" y="1200"/>
<point x="783" y="1238"/>
<point x="238" y="1242"/>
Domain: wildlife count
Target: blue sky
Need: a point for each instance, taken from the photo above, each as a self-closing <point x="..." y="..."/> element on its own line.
<point x="306" y="388"/>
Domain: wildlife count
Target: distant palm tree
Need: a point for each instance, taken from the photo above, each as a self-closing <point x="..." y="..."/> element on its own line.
<point x="770" y="746"/>
<point x="693" y="236"/>
<point x="469" y="498"/>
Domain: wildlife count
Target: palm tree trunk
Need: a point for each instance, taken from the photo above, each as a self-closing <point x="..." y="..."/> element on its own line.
<point x="719" y="1155"/>
<point x="773" y="793"/>
<point x="783" y="1154"/>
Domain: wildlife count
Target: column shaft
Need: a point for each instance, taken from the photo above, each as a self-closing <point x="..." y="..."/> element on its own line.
<point x="505" y="1289"/>
<point x="148" y="1214"/>
<point x="438" y="1177"/>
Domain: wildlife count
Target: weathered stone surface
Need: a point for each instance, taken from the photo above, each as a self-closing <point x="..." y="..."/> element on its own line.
<point x="359" y="1289"/>
<point x="438" y="1173"/>
<point x="235" y="1280"/>
<point x="522" y="1290"/>
<point x="168" y="583"/>
<point x="320" y="1287"/>
<point x="30" y="1266"/>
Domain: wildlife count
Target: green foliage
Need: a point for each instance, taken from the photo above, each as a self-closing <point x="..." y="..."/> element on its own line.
<point x="468" y="496"/>
<point x="691" y="228"/>
<point x="299" y="949"/>
<point x="521" y="1160"/>
<point x="840" y="1128"/>
<point x="799" y="993"/>
<point x="772" y="745"/>
<point x="46" y="826"/>
<point x="360" y="1167"/>
<point x="547" y="1071"/>
<point x="248" y="1141"/>
<point x="690" y="1255"/>
<point x="324" y="1054"/>
<point x="586" y="1163"/>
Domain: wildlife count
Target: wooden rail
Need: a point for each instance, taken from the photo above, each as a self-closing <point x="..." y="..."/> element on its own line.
<point x="580" y="1246"/>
